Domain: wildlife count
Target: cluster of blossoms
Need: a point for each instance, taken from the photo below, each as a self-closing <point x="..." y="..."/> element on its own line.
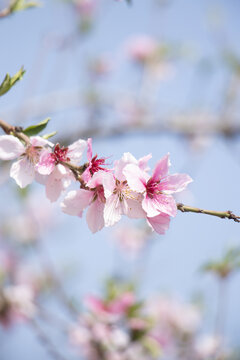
<point x="108" y="193"/>
<point x="121" y="328"/>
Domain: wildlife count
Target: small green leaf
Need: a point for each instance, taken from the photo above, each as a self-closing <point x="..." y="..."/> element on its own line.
<point x="134" y="309"/>
<point x="9" y="81"/>
<point x="48" y="136"/>
<point x="36" y="129"/>
<point x="18" y="5"/>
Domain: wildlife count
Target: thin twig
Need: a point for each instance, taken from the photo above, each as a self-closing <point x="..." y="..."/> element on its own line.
<point x="221" y="214"/>
<point x="46" y="342"/>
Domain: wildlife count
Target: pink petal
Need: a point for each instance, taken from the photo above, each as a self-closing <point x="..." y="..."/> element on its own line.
<point x="108" y="182"/>
<point x="57" y="182"/>
<point x="22" y="171"/>
<point x="161" y="168"/>
<point x="159" y="223"/>
<point x="94" y="304"/>
<point x="94" y="216"/>
<point x="89" y="149"/>
<point x="160" y="203"/>
<point x="86" y="176"/>
<point x="54" y="188"/>
<point x="142" y="162"/>
<point x="39" y="141"/>
<point x="112" y="210"/>
<point x="10" y="147"/>
<point x="76" y="201"/>
<point x="97" y="179"/>
<point x="135" y="210"/>
<point x="75" y="151"/>
<point x="45" y="164"/>
<point x="175" y="183"/>
<point x="136" y="178"/>
<point x="119" y="165"/>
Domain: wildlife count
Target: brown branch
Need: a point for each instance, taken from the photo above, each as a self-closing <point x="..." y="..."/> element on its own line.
<point x="78" y="171"/>
<point x="15" y="131"/>
<point x="221" y="214"/>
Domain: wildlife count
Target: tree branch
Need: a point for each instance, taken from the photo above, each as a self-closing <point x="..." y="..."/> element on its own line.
<point x="14" y="130"/>
<point x="78" y="170"/>
<point x="221" y="214"/>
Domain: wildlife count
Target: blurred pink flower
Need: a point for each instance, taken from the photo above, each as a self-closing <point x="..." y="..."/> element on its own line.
<point x="142" y="48"/>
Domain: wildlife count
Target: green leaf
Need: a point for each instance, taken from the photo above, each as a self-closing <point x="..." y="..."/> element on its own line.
<point x="36" y="129"/>
<point x="48" y="136"/>
<point x="18" y="5"/>
<point x="134" y="309"/>
<point x="9" y="81"/>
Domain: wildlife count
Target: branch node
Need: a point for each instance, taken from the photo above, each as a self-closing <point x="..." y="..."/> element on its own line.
<point x="233" y="216"/>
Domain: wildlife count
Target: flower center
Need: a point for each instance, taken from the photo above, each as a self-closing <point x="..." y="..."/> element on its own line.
<point x="32" y="153"/>
<point x="152" y="188"/>
<point x="96" y="165"/>
<point x="60" y="154"/>
<point x="123" y="191"/>
<point x="99" y="193"/>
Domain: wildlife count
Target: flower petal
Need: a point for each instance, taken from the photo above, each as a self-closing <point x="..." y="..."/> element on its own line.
<point x="95" y="217"/>
<point x="161" y="168"/>
<point x="142" y="162"/>
<point x="160" y="203"/>
<point x="56" y="182"/>
<point x="76" y="201"/>
<point x="159" y="223"/>
<point x="108" y="183"/>
<point x="23" y="172"/>
<point x="46" y="163"/>
<point x="10" y="147"/>
<point x="75" y="151"/>
<point x="112" y="210"/>
<point x="136" y="178"/>
<point x="175" y="183"/>
<point x="135" y="210"/>
<point x="89" y="149"/>
<point x="39" y="141"/>
<point x="119" y="165"/>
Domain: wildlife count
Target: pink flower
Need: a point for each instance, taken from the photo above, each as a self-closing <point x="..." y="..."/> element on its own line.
<point x="120" y="198"/>
<point x="23" y="171"/>
<point x="86" y="7"/>
<point x="156" y="189"/>
<point x="142" y="48"/>
<point x="94" y="164"/>
<point x="49" y="160"/>
<point x="78" y="200"/>
<point x="208" y="346"/>
<point x="118" y="306"/>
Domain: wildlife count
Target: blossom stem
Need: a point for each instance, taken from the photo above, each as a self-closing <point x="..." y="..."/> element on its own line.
<point x="221" y="214"/>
